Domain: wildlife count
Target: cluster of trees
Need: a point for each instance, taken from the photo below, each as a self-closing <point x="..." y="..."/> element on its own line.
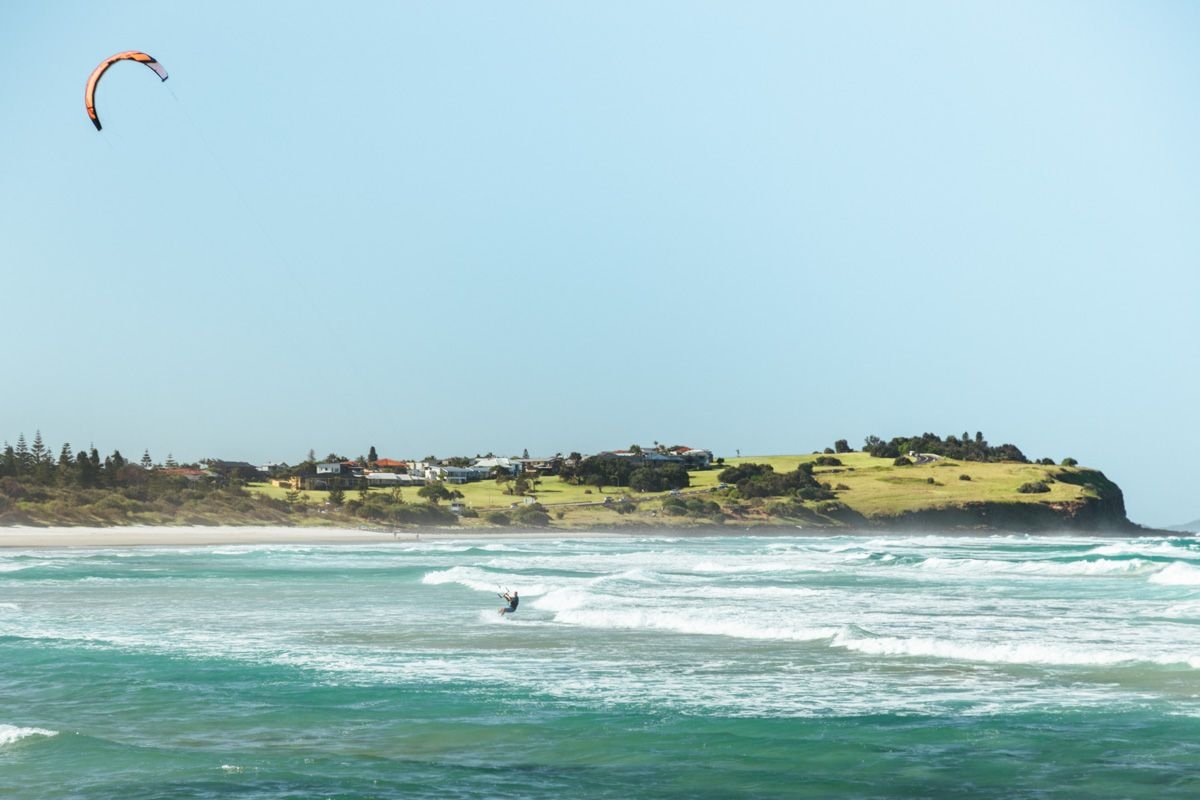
<point x="761" y="480"/>
<point x="964" y="448"/>
<point x="609" y="470"/>
<point x="35" y="465"/>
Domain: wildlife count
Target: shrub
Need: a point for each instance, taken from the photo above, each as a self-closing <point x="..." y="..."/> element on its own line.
<point x="841" y="487"/>
<point x="1046" y="462"/>
<point x="902" y="461"/>
<point x="533" y="515"/>
<point x="497" y="518"/>
<point x="841" y="446"/>
<point x="1033" y="487"/>
<point x="964" y="477"/>
<point x="1069" y="462"/>
<point x="828" y="451"/>
<point x="826" y="461"/>
<point x="930" y="480"/>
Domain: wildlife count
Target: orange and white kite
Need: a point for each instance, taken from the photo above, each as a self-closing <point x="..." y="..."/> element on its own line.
<point x="89" y="94"/>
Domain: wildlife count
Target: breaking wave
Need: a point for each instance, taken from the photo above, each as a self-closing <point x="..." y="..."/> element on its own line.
<point x="12" y="733"/>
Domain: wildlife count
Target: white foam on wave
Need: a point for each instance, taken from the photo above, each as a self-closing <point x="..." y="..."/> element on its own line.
<point x="697" y="623"/>
<point x="1153" y="547"/>
<point x="1186" y="610"/>
<point x="12" y="733"/>
<point x="1001" y="653"/>
<point x="1177" y="573"/>
<point x="564" y="600"/>
<point x="981" y="566"/>
<point x="478" y="580"/>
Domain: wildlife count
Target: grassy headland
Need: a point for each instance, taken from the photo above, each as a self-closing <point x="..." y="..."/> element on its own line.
<point x="861" y="491"/>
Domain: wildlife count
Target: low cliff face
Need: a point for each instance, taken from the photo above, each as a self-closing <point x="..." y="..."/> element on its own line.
<point x="1102" y="509"/>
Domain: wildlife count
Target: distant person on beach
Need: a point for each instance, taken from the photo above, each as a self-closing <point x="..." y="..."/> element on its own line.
<point x="512" y="603"/>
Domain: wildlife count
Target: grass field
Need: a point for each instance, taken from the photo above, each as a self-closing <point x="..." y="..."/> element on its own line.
<point x="873" y="487"/>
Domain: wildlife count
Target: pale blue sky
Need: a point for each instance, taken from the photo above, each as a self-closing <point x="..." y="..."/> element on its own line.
<point x="460" y="227"/>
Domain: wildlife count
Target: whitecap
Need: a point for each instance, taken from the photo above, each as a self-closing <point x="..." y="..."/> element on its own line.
<point x="12" y="733"/>
<point x="1001" y="653"/>
<point x="1177" y="574"/>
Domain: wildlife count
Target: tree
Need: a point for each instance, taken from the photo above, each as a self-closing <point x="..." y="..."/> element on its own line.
<point x="39" y="452"/>
<point x="435" y="491"/>
<point x="85" y="472"/>
<point x="502" y="476"/>
<point x="372" y="456"/>
<point x="170" y="463"/>
<point x="24" y="459"/>
<point x="147" y="462"/>
<point x="337" y="496"/>
<point x="1069" y="462"/>
<point x="525" y="453"/>
<point x="841" y="446"/>
<point x="636" y="449"/>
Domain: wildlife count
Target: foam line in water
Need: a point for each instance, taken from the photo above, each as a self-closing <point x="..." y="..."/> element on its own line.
<point x="977" y="566"/>
<point x="991" y="653"/>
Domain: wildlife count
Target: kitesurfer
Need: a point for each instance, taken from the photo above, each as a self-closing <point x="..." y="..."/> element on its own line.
<point x="512" y="603"/>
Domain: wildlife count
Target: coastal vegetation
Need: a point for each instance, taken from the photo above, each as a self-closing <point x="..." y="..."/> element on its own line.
<point x="867" y="488"/>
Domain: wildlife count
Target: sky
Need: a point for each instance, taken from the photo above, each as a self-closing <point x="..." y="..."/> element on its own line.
<point x="459" y="227"/>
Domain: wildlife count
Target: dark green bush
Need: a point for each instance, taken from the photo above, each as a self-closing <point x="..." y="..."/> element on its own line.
<point x="1033" y="487"/>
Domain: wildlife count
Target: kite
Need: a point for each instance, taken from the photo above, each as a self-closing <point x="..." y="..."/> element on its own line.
<point x="89" y="94"/>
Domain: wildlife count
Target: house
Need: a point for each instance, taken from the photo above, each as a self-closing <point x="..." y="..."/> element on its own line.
<point x="388" y="465"/>
<point x="378" y="478"/>
<point x="693" y="457"/>
<point x="345" y="474"/>
<point x="190" y="474"/>
<point x="540" y="466"/>
<point x="242" y="470"/>
<point x="486" y="465"/>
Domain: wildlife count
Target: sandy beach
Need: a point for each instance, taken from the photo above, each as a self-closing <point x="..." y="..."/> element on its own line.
<point x="168" y="536"/>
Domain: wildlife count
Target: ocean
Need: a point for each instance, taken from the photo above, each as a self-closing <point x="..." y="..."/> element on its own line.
<point x="649" y="667"/>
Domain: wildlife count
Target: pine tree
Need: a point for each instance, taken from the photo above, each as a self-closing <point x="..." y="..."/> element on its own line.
<point x="372" y="456"/>
<point x="171" y="463"/>
<point x="147" y="462"/>
<point x="24" y="459"/>
<point x="66" y="462"/>
<point x="39" y="452"/>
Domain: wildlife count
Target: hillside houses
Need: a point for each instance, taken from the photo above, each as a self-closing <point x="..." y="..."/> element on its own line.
<point x="395" y="473"/>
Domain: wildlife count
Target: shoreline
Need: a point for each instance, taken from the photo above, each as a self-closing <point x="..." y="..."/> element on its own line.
<point x="27" y="537"/>
<point x="199" y="536"/>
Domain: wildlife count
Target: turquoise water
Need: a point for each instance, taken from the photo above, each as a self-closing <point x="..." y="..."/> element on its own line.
<point x="925" y="666"/>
